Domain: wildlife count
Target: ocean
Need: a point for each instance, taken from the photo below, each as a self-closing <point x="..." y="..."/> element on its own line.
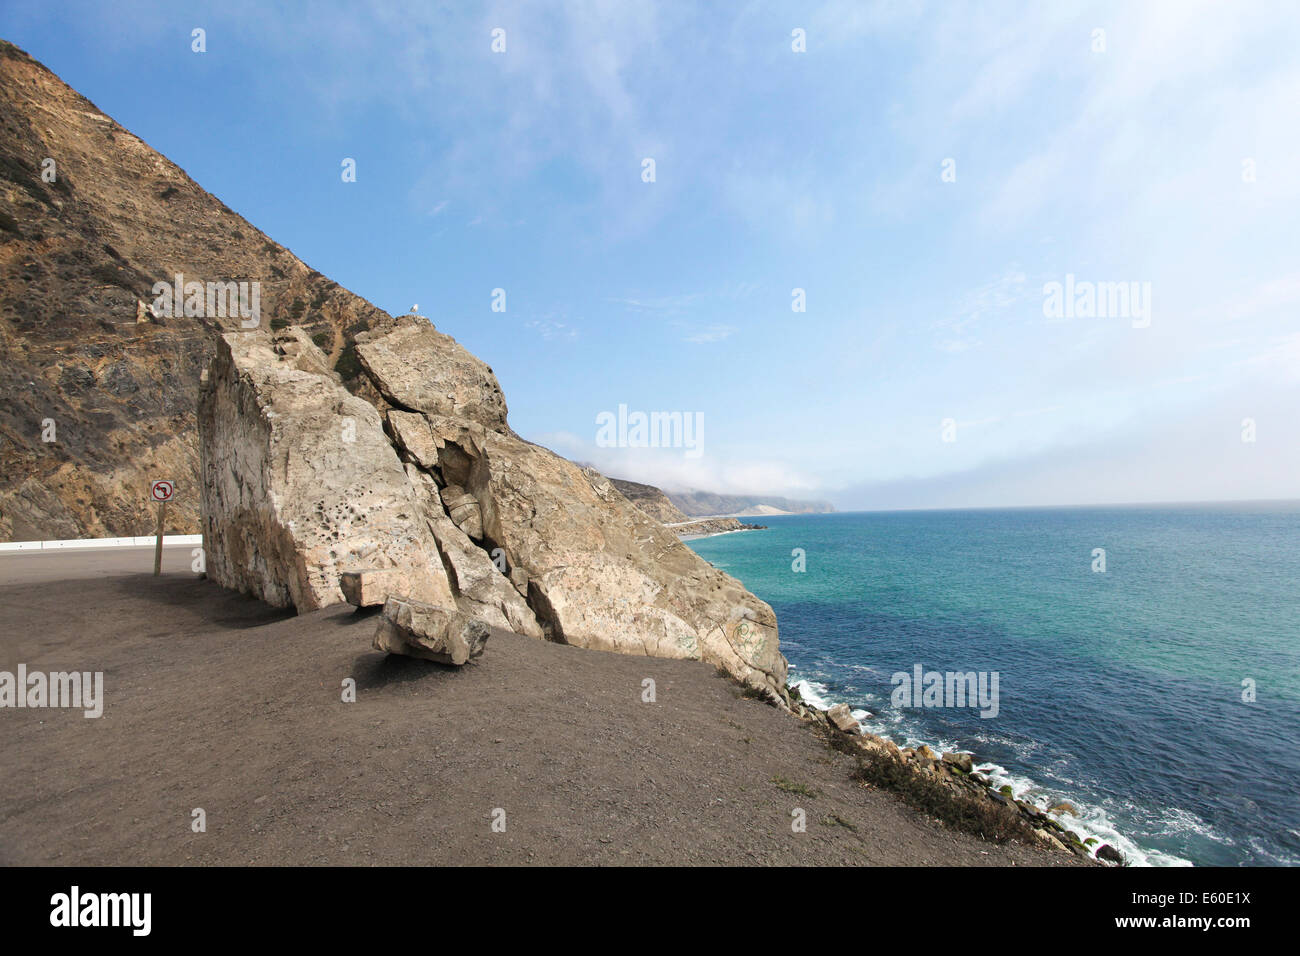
<point x="1125" y="691"/>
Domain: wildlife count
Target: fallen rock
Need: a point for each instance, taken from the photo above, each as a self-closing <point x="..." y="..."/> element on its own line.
<point x="371" y="588"/>
<point x="1110" y="854"/>
<point x="300" y="483"/>
<point x="878" y="746"/>
<point x="289" y="506"/>
<point x="963" y="762"/>
<point x="414" y="436"/>
<point x="843" y="719"/>
<point x="519" y="578"/>
<point x="1065" y="808"/>
<point x="923" y="752"/>
<point x="426" y="631"/>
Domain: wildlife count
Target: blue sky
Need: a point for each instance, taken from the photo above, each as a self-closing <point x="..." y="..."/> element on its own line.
<point x="777" y="170"/>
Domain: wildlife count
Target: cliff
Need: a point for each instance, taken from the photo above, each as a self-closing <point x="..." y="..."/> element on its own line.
<point x="100" y="392"/>
<point x="701" y="504"/>
<point x="650" y="500"/>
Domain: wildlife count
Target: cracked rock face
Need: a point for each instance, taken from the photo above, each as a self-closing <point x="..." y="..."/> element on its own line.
<point x="509" y="533"/>
<point x="482" y="590"/>
<point x="420" y="369"/>
<point x="300" y="483"/>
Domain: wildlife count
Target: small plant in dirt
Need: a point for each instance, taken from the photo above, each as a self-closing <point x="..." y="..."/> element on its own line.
<point x="835" y="820"/>
<point x="789" y="786"/>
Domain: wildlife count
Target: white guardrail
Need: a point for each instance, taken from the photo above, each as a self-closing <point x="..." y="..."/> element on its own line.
<point x="74" y="544"/>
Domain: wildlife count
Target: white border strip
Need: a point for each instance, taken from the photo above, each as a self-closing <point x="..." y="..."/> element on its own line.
<point x="74" y="544"/>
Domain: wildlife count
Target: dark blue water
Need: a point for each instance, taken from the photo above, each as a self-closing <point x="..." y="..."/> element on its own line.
<point x="1120" y="691"/>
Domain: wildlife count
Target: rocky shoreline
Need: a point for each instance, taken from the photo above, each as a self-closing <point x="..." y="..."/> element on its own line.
<point x="709" y="527"/>
<point x="948" y="786"/>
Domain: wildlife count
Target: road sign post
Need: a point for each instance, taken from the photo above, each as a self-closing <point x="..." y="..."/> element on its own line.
<point x="161" y="492"/>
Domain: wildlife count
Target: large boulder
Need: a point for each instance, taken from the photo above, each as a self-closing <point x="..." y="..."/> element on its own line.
<point x="300" y="483"/>
<point x="600" y="573"/>
<point x="429" y="632"/>
<point x="843" y="719"/>
<point x="447" y="497"/>
<point x="961" y="761"/>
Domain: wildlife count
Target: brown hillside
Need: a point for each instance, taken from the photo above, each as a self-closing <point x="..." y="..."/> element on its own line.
<point x="650" y="500"/>
<point x="78" y="260"/>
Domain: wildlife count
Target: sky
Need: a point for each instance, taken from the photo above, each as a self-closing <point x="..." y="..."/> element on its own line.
<point x="923" y="172"/>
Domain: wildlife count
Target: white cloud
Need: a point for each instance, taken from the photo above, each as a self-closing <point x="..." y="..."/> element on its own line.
<point x="670" y="469"/>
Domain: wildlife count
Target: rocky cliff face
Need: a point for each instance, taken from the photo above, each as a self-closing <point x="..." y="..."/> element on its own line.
<point x="427" y="483"/>
<point x="650" y="500"/>
<point x="86" y="362"/>
<point x="299" y="483"/>
<point x="326" y="437"/>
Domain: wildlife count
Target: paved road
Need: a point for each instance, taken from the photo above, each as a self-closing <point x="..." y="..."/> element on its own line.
<point x="31" y="567"/>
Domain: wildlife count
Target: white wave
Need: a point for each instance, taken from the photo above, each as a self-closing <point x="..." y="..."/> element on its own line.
<point x="1090" y="821"/>
<point x="811" y="692"/>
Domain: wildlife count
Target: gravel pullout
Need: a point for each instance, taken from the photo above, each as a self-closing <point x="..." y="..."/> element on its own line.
<point x="218" y="701"/>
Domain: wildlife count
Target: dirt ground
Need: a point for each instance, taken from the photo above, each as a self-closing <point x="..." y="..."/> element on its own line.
<point x="217" y="701"/>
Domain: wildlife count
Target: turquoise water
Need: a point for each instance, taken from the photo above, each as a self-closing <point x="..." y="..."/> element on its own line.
<point x="1120" y="691"/>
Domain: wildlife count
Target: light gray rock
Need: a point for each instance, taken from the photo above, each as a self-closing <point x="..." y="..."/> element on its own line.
<point x="371" y="588"/>
<point x="519" y="578"/>
<point x="302" y="353"/>
<point x="429" y="632"/>
<point x="414" y="436"/>
<point x="600" y="573"/>
<point x="299" y="483"/>
<point x="482" y="591"/>
<point x="288" y="505"/>
<point x="464" y="510"/>
<point x="842" y="718"/>
<point x="416" y="367"/>
<point x="1049" y="839"/>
